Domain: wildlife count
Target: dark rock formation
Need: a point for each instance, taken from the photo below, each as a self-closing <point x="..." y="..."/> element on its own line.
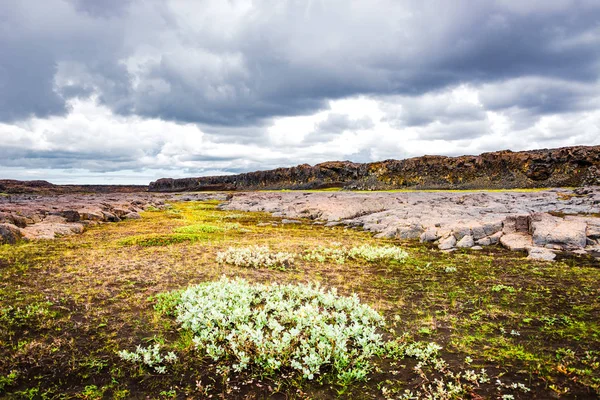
<point x="567" y="166"/>
<point x="11" y="186"/>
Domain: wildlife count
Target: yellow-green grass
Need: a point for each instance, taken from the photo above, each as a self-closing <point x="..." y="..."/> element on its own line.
<point x="82" y="298"/>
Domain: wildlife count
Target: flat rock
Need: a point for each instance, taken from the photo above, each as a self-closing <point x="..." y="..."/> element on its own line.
<point x="568" y="234"/>
<point x="516" y="241"/>
<point x="51" y="230"/>
<point x="541" y="253"/>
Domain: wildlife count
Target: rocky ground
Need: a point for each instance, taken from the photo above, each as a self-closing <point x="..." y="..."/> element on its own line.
<point x="539" y="222"/>
<point x="35" y="216"/>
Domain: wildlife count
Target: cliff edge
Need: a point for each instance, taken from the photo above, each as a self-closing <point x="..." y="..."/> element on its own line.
<point x="561" y="167"/>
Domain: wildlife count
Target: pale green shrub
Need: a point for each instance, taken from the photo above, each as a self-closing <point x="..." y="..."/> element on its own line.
<point x="149" y="356"/>
<point x="365" y="252"/>
<point x="255" y="257"/>
<point x="377" y="253"/>
<point x="270" y="327"/>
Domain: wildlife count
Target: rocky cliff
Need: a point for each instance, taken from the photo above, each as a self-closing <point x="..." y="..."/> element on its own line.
<point x="566" y="166"/>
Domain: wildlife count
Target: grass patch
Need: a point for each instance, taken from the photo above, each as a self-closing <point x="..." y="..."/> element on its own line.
<point x="199" y="228"/>
<point x="160" y="240"/>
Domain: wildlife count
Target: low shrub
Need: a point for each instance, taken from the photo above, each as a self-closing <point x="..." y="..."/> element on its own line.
<point x="268" y="328"/>
<point x="377" y="253"/>
<point x="365" y="252"/>
<point x="255" y="257"/>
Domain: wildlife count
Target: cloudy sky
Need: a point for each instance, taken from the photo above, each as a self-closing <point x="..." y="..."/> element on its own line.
<point x="128" y="91"/>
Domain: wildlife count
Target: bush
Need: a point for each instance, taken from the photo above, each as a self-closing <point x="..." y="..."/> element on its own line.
<point x="267" y="328"/>
<point x="255" y="257"/>
<point x="365" y="252"/>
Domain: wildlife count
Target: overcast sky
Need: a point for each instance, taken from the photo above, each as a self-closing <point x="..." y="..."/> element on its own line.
<point x="128" y="91"/>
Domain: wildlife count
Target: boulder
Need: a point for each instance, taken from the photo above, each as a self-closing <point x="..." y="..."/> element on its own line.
<point x="51" y="230"/>
<point x="412" y="231"/>
<point x="486" y="241"/>
<point x="491" y="228"/>
<point x="110" y="217"/>
<point x="495" y="238"/>
<point x="120" y="211"/>
<point x="9" y="234"/>
<point x="132" y="215"/>
<point x="430" y="235"/>
<point x="516" y="241"/>
<point x="71" y="215"/>
<point x="447" y="243"/>
<point x="549" y="230"/>
<point x="466" y="242"/>
<point x="91" y="214"/>
<point x="461" y="231"/>
<point x="478" y="232"/>
<point x="541" y="253"/>
<point x="388" y="233"/>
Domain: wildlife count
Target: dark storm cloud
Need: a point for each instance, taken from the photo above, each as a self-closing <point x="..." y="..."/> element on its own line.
<point x="185" y="61"/>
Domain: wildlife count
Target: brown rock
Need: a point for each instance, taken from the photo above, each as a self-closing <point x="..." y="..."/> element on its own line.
<point x="9" y="234"/>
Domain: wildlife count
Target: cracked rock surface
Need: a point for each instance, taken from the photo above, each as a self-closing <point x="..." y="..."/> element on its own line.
<point x="539" y="222"/>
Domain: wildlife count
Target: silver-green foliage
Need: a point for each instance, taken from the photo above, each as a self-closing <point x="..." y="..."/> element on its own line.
<point x="365" y="252"/>
<point x="149" y="356"/>
<point x="265" y="328"/>
<point x="255" y="257"/>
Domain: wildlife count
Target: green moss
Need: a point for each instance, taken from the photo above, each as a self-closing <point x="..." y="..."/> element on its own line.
<point x="160" y="240"/>
<point x="199" y="228"/>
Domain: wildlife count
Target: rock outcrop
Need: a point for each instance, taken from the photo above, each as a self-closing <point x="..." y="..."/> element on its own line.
<point x="33" y="216"/>
<point x="539" y="222"/>
<point x="562" y="167"/>
<point x="11" y="186"/>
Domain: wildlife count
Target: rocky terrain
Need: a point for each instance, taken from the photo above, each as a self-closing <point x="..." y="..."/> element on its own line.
<point x="563" y="167"/>
<point x="35" y="216"/>
<point x="539" y="222"/>
<point x="11" y="186"/>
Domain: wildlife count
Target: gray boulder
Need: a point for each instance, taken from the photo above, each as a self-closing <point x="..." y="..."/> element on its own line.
<point x="447" y="243"/>
<point x="466" y="242"/>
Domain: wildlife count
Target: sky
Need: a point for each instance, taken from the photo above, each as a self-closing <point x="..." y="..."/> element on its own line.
<point x="129" y="91"/>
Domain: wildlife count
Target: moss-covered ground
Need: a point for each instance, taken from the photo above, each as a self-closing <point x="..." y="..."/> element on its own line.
<point x="68" y="305"/>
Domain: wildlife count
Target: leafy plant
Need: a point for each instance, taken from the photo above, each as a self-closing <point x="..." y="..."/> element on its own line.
<point x="255" y="257"/>
<point x="149" y="356"/>
<point x="265" y="328"/>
